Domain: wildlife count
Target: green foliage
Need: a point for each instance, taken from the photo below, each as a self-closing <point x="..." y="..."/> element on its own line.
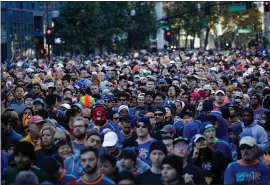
<point x="87" y="25"/>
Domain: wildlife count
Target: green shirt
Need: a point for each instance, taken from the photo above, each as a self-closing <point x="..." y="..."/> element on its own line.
<point x="11" y="174"/>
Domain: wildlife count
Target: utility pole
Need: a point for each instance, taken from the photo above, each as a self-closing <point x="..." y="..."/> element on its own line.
<point x="160" y="32"/>
<point x="47" y="18"/>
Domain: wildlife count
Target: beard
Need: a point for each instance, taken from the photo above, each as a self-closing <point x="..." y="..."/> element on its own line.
<point x="89" y="170"/>
<point x="22" y="166"/>
<point x="79" y="136"/>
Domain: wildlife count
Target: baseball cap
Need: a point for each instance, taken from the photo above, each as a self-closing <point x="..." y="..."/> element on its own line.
<point x="39" y="100"/>
<point x="207" y="87"/>
<point x="168" y="129"/>
<point x="77" y="105"/>
<point x="36" y="119"/>
<point x="220" y="91"/>
<point x="180" y="139"/>
<point x="108" y="97"/>
<point x="110" y="139"/>
<point x="197" y="137"/>
<point x="247" y="140"/>
<point x="99" y="113"/>
<point x="65" y="105"/>
<point x="238" y="94"/>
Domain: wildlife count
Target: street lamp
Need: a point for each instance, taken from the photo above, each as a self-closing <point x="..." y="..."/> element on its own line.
<point x="132" y="12"/>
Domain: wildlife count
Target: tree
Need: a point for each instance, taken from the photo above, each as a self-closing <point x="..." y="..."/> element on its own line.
<point x="87" y="25"/>
<point x="249" y="19"/>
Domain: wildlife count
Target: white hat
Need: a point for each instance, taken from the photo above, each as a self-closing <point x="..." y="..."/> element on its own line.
<point x="65" y="105"/>
<point x="110" y="139"/>
<point x="123" y="107"/>
<point x="50" y="84"/>
<point x="247" y="140"/>
<point x="220" y="91"/>
<point x="197" y="137"/>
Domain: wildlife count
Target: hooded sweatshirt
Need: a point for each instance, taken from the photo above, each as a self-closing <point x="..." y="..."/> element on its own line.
<point x="222" y="131"/>
<point x="190" y="130"/>
<point x="259" y="134"/>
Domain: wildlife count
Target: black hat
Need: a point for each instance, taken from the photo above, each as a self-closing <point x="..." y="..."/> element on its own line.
<point x="146" y="121"/>
<point x="125" y="175"/>
<point x="129" y="154"/>
<point x="25" y="148"/>
<point x="180" y="139"/>
<point x="207" y="105"/>
<point x="50" y="165"/>
<point x="158" y="145"/>
<point x="159" y="108"/>
<point x="174" y="161"/>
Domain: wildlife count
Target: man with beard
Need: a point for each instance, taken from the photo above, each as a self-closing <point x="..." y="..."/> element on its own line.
<point x="181" y="149"/>
<point x="247" y="170"/>
<point x="89" y="161"/>
<point x="80" y="126"/>
<point x="255" y="102"/>
<point x="149" y="100"/>
<point x="24" y="158"/>
<point x="95" y="91"/>
<point x="100" y="122"/>
<point x="158" y="152"/>
<point x="37" y="91"/>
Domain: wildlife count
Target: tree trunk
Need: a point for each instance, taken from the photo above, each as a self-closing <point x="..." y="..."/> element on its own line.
<point x="206" y="38"/>
<point x="186" y="40"/>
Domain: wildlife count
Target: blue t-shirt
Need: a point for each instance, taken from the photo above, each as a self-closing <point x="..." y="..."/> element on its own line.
<point x="102" y="180"/>
<point x="66" y="177"/>
<point x="144" y="150"/>
<point x="238" y="173"/>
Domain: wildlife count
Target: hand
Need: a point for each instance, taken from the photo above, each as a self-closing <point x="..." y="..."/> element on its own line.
<point x="195" y="153"/>
<point x="188" y="179"/>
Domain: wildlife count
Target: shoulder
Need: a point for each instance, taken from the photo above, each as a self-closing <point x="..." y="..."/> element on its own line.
<point x="232" y="165"/>
<point x="107" y="180"/>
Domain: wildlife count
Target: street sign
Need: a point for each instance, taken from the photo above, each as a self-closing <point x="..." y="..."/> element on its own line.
<point x="244" y="31"/>
<point x="164" y="27"/>
<point x="237" y="8"/>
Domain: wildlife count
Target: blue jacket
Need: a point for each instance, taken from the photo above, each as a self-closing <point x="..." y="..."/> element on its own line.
<point x="222" y="131"/>
<point x="18" y="107"/>
<point x="13" y="135"/>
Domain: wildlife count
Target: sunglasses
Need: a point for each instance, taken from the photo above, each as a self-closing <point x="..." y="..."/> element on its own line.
<point x="121" y="100"/>
<point x="158" y="114"/>
<point x="243" y="147"/>
<point x="87" y="117"/>
<point x="109" y="85"/>
<point x="141" y="126"/>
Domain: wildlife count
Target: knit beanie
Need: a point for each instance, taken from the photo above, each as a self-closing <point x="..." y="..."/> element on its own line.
<point x="174" y="161"/>
<point x="50" y="165"/>
<point x="158" y="145"/>
<point x="25" y="148"/>
<point x="146" y="121"/>
<point x="94" y="132"/>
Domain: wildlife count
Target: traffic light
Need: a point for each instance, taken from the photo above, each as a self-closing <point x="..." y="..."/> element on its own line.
<point x="168" y="36"/>
<point x="266" y="6"/>
<point x="207" y="8"/>
<point x="42" y="52"/>
<point x="50" y="36"/>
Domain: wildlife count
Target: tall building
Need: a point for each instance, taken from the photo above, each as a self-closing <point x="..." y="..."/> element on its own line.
<point x="23" y="26"/>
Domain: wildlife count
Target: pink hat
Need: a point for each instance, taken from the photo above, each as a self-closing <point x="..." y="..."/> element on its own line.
<point x="36" y="119"/>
